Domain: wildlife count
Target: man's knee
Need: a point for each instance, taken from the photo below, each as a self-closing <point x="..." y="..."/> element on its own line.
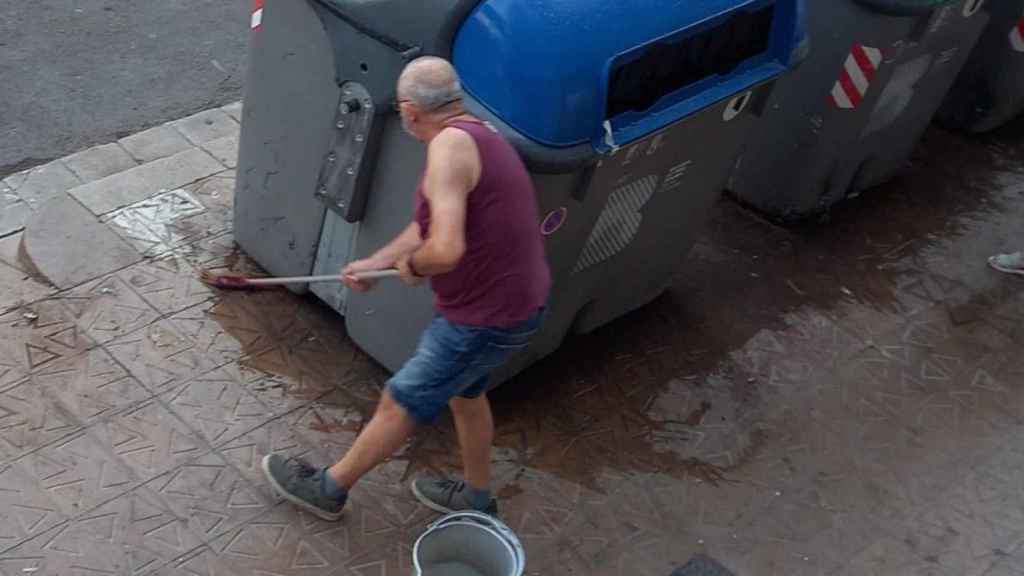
<point x="468" y="406"/>
<point x="389" y="407"/>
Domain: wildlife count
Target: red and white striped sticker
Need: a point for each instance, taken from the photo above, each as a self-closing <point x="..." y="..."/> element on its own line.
<point x="858" y="71"/>
<point x="1017" y="36"/>
<point x="256" y="22"/>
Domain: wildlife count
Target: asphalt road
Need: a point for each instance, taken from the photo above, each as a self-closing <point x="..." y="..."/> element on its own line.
<point x="74" y="73"/>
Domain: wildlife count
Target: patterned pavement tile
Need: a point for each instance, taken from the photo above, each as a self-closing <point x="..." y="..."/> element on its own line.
<point x="217" y="194"/>
<point x="277" y="436"/>
<point x="156" y="225"/>
<point x="202" y="561"/>
<point x="223" y="330"/>
<point x="210" y="495"/>
<point x="280" y="311"/>
<point x="617" y="532"/>
<point x="778" y="558"/>
<point x="36" y="336"/>
<point x="280" y="393"/>
<point x="78" y="474"/>
<point x="160" y="356"/>
<point x="991" y="385"/>
<point x="278" y="543"/>
<point x="26" y="510"/>
<point x="305" y="375"/>
<point x="812" y="338"/>
<point x="220" y="253"/>
<point x="810" y="534"/>
<point x="29" y="420"/>
<point x="1011" y="565"/>
<point x="149" y="439"/>
<point x="108" y="308"/>
<point x="330" y="423"/>
<point x="217" y="406"/>
<point x="17" y="286"/>
<point x="1003" y="472"/>
<point x="974" y="525"/>
<point x="890" y="557"/>
<point x="134" y="534"/>
<point x="704" y="507"/>
<point x="865" y="420"/>
<point x="367" y="540"/>
<point x="307" y="331"/>
<point x="383" y="497"/>
<point x="91" y="386"/>
<point x="169" y="283"/>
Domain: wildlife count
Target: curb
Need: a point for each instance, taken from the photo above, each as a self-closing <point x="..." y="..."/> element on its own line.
<point x="93" y="212"/>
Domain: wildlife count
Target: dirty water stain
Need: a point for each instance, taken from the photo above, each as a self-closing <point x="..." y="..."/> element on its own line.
<point x="588" y="409"/>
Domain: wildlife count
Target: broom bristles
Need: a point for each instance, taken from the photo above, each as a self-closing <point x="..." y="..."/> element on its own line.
<point x="224" y="280"/>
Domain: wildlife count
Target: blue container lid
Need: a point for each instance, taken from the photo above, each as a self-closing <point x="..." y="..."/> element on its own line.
<point x="545" y="68"/>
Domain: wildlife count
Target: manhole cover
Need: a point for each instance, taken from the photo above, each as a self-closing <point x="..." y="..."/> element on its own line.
<point x="702" y="566"/>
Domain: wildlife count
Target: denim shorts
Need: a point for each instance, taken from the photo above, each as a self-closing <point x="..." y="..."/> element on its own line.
<point x="455" y="361"/>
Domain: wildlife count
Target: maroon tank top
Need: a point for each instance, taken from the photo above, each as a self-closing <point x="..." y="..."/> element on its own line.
<point x="503" y="279"/>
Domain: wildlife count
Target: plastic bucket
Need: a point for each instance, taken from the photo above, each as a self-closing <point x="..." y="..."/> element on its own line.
<point x="468" y="544"/>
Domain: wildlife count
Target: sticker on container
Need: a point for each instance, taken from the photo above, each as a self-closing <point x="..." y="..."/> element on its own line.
<point x="674" y="177"/>
<point x="972" y="7"/>
<point x="553" y="221"/>
<point x="858" y="71"/>
<point x="1017" y="36"/>
<point x="736" y="106"/>
<point x="256" y="22"/>
<point x="898" y="94"/>
<point x="618" y="224"/>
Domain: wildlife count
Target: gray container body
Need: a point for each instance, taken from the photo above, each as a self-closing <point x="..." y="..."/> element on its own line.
<point x="630" y="220"/>
<point x="850" y="116"/>
<point x="292" y="99"/>
<point x="990" y="89"/>
<point x="318" y="103"/>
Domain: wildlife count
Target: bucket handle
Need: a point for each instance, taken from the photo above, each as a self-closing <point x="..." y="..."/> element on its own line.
<point x="492" y="524"/>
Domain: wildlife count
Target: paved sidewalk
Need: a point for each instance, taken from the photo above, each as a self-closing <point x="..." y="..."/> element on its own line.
<point x="843" y="399"/>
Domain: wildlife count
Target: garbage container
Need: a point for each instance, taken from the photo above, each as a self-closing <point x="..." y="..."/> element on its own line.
<point x="990" y="89"/>
<point x="629" y="119"/>
<point x="850" y="116"/>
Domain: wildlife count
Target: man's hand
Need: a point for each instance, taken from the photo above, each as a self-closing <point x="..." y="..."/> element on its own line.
<point x="367" y="265"/>
<point x="406" y="273"/>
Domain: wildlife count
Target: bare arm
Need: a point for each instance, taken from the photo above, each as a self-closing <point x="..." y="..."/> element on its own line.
<point x="453" y="170"/>
<point x="387" y="257"/>
<point x="403" y="244"/>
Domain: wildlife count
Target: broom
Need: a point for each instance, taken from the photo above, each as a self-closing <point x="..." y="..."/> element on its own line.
<point x="234" y="281"/>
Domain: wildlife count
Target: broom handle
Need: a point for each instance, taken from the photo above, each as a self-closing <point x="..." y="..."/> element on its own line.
<point x="372" y="275"/>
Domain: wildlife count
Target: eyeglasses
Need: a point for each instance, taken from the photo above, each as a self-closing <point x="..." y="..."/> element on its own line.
<point x="397" y="104"/>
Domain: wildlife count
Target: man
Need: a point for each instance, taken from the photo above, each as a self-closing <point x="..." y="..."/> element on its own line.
<point x="476" y="237"/>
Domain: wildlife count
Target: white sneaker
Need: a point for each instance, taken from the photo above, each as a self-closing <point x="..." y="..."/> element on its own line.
<point x="1008" y="263"/>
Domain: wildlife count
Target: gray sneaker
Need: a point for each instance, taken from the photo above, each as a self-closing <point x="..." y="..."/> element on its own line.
<point x="447" y="496"/>
<point x="302" y="485"/>
<point x="1009" y="263"/>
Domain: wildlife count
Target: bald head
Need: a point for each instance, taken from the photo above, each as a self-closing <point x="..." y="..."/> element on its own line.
<point x="429" y="83"/>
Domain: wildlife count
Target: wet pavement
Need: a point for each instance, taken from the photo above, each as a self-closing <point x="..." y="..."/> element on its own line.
<point x="844" y="397"/>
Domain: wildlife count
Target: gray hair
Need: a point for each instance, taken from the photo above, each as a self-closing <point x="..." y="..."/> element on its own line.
<point x="430" y="83"/>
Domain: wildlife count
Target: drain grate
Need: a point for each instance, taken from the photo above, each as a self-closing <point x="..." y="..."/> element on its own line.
<point x="702" y="566"/>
